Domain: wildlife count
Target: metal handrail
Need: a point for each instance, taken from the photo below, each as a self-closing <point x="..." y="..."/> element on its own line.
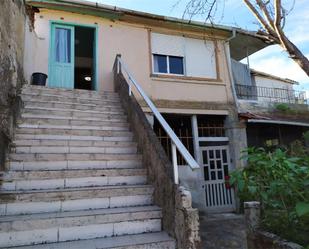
<point x="283" y="95"/>
<point x="176" y="143"/>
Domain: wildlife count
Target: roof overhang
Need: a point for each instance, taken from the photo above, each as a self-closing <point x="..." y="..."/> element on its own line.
<point x="278" y="122"/>
<point x="242" y="43"/>
<point x="246" y="43"/>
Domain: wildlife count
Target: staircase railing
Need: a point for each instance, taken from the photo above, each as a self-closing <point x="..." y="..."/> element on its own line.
<point x="176" y="144"/>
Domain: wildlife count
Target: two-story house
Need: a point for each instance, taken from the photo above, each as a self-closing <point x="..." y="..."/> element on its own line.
<point x="75" y="165"/>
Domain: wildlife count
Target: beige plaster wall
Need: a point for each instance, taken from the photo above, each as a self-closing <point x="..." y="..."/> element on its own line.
<point x="132" y="42"/>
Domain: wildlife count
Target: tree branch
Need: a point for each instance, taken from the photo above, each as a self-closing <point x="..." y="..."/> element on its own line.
<point x="266" y="13"/>
<point x="257" y="15"/>
<point x="262" y="21"/>
<point x="278" y="16"/>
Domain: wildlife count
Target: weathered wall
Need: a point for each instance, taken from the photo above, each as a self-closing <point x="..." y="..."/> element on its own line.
<point x="12" y="30"/>
<point x="133" y="43"/>
<point x="180" y="220"/>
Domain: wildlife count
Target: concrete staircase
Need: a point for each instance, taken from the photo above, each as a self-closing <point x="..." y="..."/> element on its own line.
<point x="75" y="178"/>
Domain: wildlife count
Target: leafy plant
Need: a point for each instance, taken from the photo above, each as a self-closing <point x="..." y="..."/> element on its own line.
<point x="280" y="182"/>
<point x="306" y="135"/>
<point x="283" y="107"/>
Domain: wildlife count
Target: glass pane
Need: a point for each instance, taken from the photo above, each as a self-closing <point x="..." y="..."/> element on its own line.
<point x="218" y="154"/>
<point x="160" y="63"/>
<point x="226" y="170"/>
<point x="212" y="164"/>
<point x="213" y="175"/>
<point x="63" y="45"/>
<point x="220" y="176"/>
<point x="206" y="174"/>
<point x="205" y="158"/>
<point x="224" y="156"/>
<point x="218" y="164"/>
<point x="176" y="65"/>
<point x="211" y="154"/>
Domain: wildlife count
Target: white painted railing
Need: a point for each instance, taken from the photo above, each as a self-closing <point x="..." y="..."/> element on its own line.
<point x="176" y="143"/>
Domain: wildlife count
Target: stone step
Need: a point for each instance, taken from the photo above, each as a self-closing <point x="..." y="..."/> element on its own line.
<point x="74" y="127"/>
<point x="103" y="116"/>
<point x="69" y="180"/>
<point x="55" y="120"/>
<point x="120" y="119"/>
<point x="74" y="132"/>
<point x="74" y="149"/>
<point x="72" y="157"/>
<point x="73" y="96"/>
<point x="57" y="174"/>
<point x="103" y="100"/>
<point x="73" y="111"/>
<point x="71" y="143"/>
<point x="83" y="198"/>
<point x="68" y="165"/>
<point x="159" y="240"/>
<point x="72" y="105"/>
<point x="78" y="225"/>
<point x="68" y="92"/>
<point x="127" y="138"/>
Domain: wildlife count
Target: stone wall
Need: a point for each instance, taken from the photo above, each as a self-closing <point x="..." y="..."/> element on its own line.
<point x="258" y="239"/>
<point x="12" y="30"/>
<point x="180" y="220"/>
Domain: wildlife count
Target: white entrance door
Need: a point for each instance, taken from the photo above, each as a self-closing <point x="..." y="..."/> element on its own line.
<point x="219" y="197"/>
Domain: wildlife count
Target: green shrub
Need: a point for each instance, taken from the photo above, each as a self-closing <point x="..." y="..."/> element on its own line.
<point x="283" y="107"/>
<point x="281" y="183"/>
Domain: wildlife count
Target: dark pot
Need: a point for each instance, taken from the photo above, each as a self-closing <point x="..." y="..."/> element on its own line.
<point x="38" y="79"/>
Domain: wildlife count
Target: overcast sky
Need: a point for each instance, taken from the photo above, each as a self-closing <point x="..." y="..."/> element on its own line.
<point x="234" y="13"/>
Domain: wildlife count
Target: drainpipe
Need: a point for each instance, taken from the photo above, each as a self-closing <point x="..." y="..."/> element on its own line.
<point x="228" y="61"/>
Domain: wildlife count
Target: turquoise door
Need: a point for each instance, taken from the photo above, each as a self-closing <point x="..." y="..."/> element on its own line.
<point x="61" y="58"/>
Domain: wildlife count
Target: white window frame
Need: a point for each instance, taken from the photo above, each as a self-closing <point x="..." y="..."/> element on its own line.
<point x="168" y="65"/>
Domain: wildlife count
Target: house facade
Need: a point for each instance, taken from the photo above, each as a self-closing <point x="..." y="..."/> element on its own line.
<point x="184" y="67"/>
<point x="137" y="110"/>
<point x="190" y="71"/>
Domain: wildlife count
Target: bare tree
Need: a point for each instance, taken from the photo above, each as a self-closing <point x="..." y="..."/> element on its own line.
<point x="270" y="14"/>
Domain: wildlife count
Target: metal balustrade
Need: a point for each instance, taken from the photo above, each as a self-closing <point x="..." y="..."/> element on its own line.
<point x="270" y="94"/>
<point x="176" y="144"/>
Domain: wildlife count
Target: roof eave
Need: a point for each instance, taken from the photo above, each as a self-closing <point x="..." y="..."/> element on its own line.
<point x="253" y="41"/>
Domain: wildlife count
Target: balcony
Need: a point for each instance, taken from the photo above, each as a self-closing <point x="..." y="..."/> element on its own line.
<point x="268" y="94"/>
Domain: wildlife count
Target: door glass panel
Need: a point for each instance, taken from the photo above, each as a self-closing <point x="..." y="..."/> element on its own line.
<point x="218" y="154"/>
<point x="213" y="175"/>
<point x="206" y="173"/>
<point x="211" y="154"/>
<point x="212" y="164"/>
<point x="63" y="45"/>
<point x="219" y="164"/>
<point x="226" y="170"/>
<point x="224" y="156"/>
<point x="205" y="157"/>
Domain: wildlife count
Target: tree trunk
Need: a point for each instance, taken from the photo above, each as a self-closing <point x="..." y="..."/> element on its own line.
<point x="293" y="52"/>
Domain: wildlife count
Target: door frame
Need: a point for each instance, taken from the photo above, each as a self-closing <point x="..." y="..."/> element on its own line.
<point x="96" y="56"/>
<point x="218" y="208"/>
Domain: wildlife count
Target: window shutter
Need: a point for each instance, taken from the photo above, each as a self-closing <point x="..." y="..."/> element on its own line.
<point x="167" y="44"/>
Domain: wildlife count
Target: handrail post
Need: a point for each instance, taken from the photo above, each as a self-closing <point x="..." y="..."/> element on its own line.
<point x="118" y="65"/>
<point x="130" y="87"/>
<point x="175" y="163"/>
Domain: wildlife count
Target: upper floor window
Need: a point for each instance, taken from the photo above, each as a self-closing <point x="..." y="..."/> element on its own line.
<point x="167" y="64"/>
<point x="179" y="55"/>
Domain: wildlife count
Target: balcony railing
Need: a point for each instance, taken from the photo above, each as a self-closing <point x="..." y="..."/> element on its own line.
<point x="269" y="94"/>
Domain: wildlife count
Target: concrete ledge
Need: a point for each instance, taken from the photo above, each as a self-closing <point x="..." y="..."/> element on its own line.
<point x="262" y="240"/>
